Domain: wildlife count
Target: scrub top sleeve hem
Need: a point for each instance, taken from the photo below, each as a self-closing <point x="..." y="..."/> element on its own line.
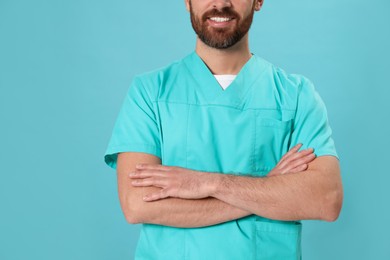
<point x="327" y="153"/>
<point x="111" y="155"/>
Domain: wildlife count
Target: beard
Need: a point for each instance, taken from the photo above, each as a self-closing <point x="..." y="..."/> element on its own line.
<point x="221" y="38"/>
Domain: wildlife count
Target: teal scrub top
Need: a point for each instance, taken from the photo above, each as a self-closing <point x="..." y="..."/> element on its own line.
<point x="181" y="114"/>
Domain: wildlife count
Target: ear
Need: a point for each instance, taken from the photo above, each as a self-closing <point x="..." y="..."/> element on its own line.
<point x="187" y="3"/>
<point x="258" y="4"/>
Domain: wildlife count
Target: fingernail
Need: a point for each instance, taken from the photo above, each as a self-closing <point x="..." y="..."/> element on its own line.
<point x="132" y="174"/>
<point x="139" y="165"/>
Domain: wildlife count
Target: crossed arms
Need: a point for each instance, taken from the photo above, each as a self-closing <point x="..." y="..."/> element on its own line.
<point x="299" y="187"/>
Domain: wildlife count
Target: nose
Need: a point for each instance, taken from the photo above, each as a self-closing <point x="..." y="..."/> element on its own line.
<point x="219" y="4"/>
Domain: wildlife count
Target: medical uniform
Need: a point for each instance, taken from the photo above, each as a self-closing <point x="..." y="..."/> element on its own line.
<point x="181" y="114"/>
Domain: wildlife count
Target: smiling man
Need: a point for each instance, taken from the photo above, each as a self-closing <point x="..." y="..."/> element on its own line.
<point x="220" y="155"/>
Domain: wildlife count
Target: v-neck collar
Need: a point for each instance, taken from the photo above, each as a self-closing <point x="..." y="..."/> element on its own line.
<point x="210" y="88"/>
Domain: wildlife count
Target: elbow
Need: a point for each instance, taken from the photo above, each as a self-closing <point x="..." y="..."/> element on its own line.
<point x="135" y="209"/>
<point x="132" y="212"/>
<point x="333" y="204"/>
<point x="132" y="218"/>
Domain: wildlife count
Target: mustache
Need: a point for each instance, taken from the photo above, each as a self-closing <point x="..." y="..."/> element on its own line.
<point x="224" y="12"/>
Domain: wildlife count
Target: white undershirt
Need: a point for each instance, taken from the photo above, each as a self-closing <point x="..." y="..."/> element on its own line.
<point x="225" y="80"/>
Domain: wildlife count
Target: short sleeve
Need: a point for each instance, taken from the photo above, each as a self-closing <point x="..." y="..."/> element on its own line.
<point x="136" y="128"/>
<point x="311" y="125"/>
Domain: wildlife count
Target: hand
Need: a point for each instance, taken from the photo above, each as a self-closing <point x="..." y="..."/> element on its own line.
<point x="190" y="184"/>
<point x="293" y="161"/>
<point x="173" y="181"/>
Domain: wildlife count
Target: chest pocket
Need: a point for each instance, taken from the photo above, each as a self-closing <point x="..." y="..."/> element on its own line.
<point x="272" y="139"/>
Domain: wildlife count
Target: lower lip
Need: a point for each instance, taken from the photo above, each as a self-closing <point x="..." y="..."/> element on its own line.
<point x="219" y="24"/>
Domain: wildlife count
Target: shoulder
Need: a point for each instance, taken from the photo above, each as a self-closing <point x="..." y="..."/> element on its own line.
<point x="289" y="84"/>
<point x="283" y="79"/>
<point x="156" y="75"/>
<point x="284" y="87"/>
<point x="152" y="81"/>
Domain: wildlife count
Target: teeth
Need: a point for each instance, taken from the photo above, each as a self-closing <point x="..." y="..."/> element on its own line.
<point x="220" y="19"/>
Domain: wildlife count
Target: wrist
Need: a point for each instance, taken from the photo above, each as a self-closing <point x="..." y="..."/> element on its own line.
<point x="214" y="183"/>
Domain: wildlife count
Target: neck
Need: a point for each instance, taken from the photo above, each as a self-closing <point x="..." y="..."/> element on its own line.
<point x="225" y="61"/>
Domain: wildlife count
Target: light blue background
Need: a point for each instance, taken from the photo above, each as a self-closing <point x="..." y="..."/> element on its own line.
<point x="65" y="67"/>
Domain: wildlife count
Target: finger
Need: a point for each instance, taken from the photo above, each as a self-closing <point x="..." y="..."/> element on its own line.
<point x="293" y="150"/>
<point x="156" y="196"/>
<point x="296" y="163"/>
<point x="159" y="167"/>
<point x="139" y="174"/>
<point x="290" y="152"/>
<point x="300" y="168"/>
<point x="273" y="173"/>
<point x="299" y="154"/>
<point x="157" y="182"/>
<point x="295" y="156"/>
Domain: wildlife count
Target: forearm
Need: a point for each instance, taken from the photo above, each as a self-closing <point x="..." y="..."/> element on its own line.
<point x="183" y="213"/>
<point x="171" y="211"/>
<point x="306" y="195"/>
<point x="278" y="197"/>
<point x="299" y="187"/>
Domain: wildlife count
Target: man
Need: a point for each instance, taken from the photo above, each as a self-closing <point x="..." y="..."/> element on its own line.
<point x="221" y="154"/>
